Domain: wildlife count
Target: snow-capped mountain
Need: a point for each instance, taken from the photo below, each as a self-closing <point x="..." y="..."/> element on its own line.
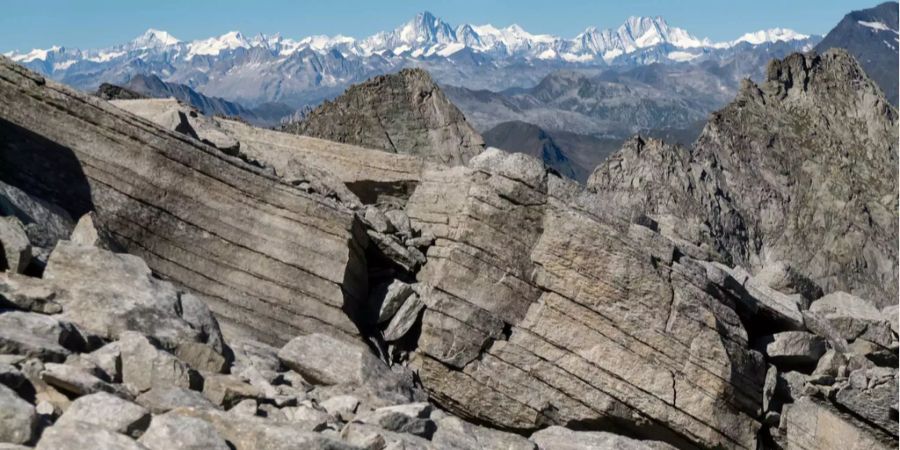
<point x="274" y="68"/>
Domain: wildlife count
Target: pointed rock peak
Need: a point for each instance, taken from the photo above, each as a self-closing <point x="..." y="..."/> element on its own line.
<point x="399" y="113"/>
<point x="803" y="74"/>
<point x="426" y="16"/>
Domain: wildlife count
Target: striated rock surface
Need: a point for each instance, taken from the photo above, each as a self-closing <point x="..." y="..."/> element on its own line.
<point x="270" y="260"/>
<point x="330" y="167"/>
<point x="799" y="169"/>
<point x="576" y="319"/>
<point x="171" y="114"/>
<point x="404" y="112"/>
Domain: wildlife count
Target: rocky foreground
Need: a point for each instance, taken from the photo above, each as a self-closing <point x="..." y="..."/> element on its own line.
<point x="179" y="281"/>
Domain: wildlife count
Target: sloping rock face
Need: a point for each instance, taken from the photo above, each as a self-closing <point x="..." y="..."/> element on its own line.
<point x="270" y="260"/>
<point x="171" y="114"/>
<point x="578" y="319"/>
<point x="374" y="176"/>
<point x="404" y="112"/>
<point x="799" y="170"/>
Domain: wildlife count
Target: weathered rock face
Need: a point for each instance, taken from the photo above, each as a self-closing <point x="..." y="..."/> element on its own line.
<point x="171" y="114"/>
<point x="269" y="259"/>
<point x="813" y="425"/>
<point x="330" y="167"/>
<point x="799" y="169"/>
<point x="402" y="113"/>
<point x="577" y="319"/>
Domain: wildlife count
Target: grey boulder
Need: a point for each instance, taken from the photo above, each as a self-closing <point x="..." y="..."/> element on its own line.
<point x="144" y="366"/>
<point x="15" y="245"/>
<point x="185" y="433"/>
<point x="108" y="411"/>
<point x="163" y="399"/>
<point x="107" y="294"/>
<point x="853" y="317"/>
<point x="77" y="435"/>
<point x="559" y="438"/>
<point x="324" y="359"/>
<point x="17" y="418"/>
<point x="27" y="293"/>
<point x="792" y="348"/>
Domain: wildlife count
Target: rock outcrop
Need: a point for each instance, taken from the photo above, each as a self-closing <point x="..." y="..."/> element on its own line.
<point x="578" y="320"/>
<point x="271" y="260"/>
<point x="404" y="112"/>
<point x="373" y="176"/>
<point x="799" y="169"/>
<point x="171" y="114"/>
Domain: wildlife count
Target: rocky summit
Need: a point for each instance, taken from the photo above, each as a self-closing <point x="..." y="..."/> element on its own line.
<point x="404" y="112"/>
<point x="379" y="280"/>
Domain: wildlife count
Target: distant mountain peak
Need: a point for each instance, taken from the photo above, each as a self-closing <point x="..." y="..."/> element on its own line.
<point x="213" y="46"/>
<point x="153" y="38"/>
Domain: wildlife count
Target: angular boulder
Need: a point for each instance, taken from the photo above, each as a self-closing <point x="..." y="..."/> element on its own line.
<point x="559" y="438"/>
<point x="14" y="244"/>
<point x="171" y="432"/>
<point x="107" y="294"/>
<point x="145" y="367"/>
<point x="27" y="293"/>
<point x="324" y="359"/>
<point x="810" y="425"/>
<point x="18" y="419"/>
<point x="853" y="317"/>
<point x="78" y="435"/>
<point x="794" y="348"/>
<point x="108" y="411"/>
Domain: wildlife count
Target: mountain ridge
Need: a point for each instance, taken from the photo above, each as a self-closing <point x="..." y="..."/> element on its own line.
<point x="426" y="29"/>
<point x="302" y="72"/>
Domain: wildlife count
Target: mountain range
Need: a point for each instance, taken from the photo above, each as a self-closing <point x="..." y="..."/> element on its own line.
<point x="272" y="68"/>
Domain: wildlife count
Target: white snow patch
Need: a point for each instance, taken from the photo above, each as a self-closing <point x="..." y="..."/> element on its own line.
<point x="547" y="54"/>
<point x="64" y="65"/>
<point x="105" y="56"/>
<point x="36" y="54"/>
<point x="770" y="35"/>
<point x="611" y="54"/>
<point x="571" y="57"/>
<point x="879" y="26"/>
<point x="451" y="49"/>
<point x="681" y="56"/>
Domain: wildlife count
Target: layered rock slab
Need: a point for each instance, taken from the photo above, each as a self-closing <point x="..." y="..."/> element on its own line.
<point x="270" y="260"/>
<point x="541" y="313"/>
<point x="368" y="173"/>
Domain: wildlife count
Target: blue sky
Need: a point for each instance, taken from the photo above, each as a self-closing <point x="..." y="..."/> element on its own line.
<point x="27" y="24"/>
